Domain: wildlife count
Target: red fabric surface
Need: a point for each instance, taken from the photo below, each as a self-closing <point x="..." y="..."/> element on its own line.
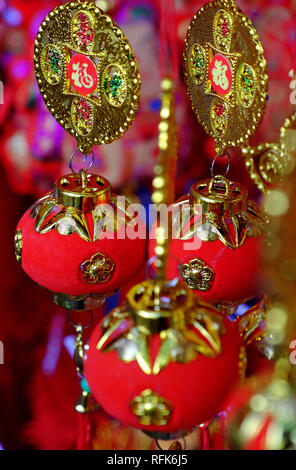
<point x="196" y="390"/>
<point x="53" y="260"/>
<point x="237" y="272"/>
<point x="54" y="424"/>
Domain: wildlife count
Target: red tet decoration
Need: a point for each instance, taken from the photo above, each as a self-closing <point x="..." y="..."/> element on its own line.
<point x="75" y="242"/>
<point x="217" y="249"/>
<point x="220" y="74"/>
<point x="194" y="392"/>
<point x="83" y="75"/>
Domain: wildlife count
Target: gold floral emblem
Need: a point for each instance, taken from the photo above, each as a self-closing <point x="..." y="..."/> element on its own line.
<point x="98" y="269"/>
<point x="196" y="275"/>
<point x="18" y="245"/>
<point x="151" y="409"/>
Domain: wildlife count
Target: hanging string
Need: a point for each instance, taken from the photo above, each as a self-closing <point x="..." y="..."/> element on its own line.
<point x="84" y="433"/>
<point x="293" y="40"/>
<point x="205" y="439"/>
<point x="168" y="52"/>
<point x="165" y="170"/>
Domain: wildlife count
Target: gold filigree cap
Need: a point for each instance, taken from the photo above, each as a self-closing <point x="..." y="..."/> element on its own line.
<point x="82" y="191"/>
<point x="187" y="327"/>
<point x="220" y="196"/>
<point x="157" y="305"/>
<point x="220" y="210"/>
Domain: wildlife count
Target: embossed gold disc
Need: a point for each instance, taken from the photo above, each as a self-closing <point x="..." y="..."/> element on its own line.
<point x="87" y="73"/>
<point x="225" y="72"/>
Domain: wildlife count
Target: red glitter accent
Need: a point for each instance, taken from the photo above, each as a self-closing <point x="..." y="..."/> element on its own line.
<point x="86" y="35"/>
<point x="219" y="109"/>
<point x="220" y="74"/>
<point x="225" y="29"/>
<point x="83" y="75"/>
<point x="85" y="111"/>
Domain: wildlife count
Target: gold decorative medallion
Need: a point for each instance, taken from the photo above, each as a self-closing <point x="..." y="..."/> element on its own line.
<point x="87" y="73"/>
<point x="225" y="72"/>
<point x="151" y="409"/>
<point x="98" y="269"/>
<point x="18" y="245"/>
<point x="196" y="275"/>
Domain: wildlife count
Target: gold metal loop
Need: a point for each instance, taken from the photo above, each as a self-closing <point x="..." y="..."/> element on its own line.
<point x="150" y="270"/>
<point x="174" y="446"/>
<point x="79" y="325"/>
<point x="150" y="273"/>
<point x="83" y="177"/>
<point x="227" y="154"/>
<point x="218" y="180"/>
<point x="84" y="160"/>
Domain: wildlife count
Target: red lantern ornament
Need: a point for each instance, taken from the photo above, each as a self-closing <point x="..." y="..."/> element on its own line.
<point x="164" y="362"/>
<point x="217" y="243"/>
<point x="74" y="241"/>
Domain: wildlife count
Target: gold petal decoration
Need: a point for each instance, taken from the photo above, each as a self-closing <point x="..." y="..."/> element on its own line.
<point x="142" y="356"/>
<point x="240" y="224"/>
<point x="210" y="330"/>
<point x="191" y="330"/>
<point x="108" y="333"/>
<point x="251" y="324"/>
<point x="169" y="342"/>
<point x="67" y="221"/>
<point x="110" y="217"/>
<point x="50" y="213"/>
<point x="219" y="212"/>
